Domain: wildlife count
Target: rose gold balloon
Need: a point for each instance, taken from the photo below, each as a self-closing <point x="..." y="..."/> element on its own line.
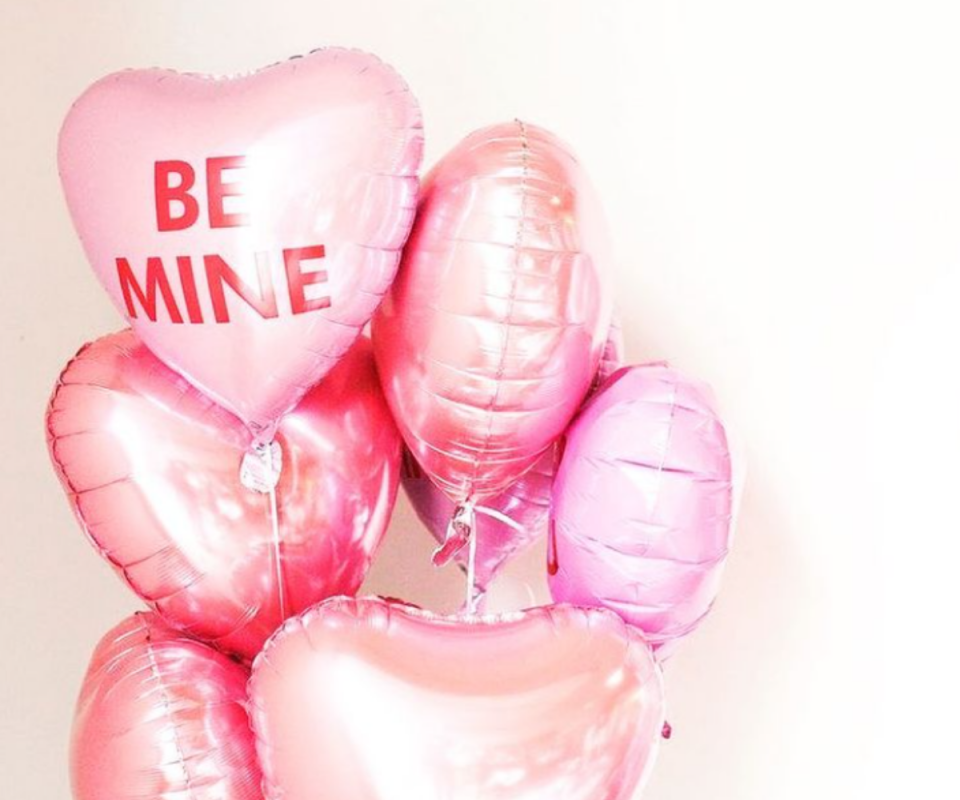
<point x="363" y="700"/>
<point x="246" y="227"/>
<point x="151" y="467"/>
<point x="161" y="716"/>
<point x="526" y="501"/>
<point x="489" y="338"/>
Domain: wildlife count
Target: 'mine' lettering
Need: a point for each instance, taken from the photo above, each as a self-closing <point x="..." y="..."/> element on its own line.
<point x="156" y="279"/>
<point x="143" y="297"/>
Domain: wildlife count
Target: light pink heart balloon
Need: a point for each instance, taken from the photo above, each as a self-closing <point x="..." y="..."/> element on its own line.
<point x="246" y="227"/>
<point x="643" y="503"/>
<point x="526" y="501"/>
<point x="491" y="335"/>
<point x="363" y="700"/>
<point x="152" y="470"/>
<point x="162" y="716"/>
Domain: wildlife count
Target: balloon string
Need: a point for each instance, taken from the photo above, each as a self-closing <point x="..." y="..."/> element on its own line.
<point x="472" y="572"/>
<point x="278" y="563"/>
<point x="277" y="559"/>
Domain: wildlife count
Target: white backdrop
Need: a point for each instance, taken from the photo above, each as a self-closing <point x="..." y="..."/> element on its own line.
<point x="783" y="184"/>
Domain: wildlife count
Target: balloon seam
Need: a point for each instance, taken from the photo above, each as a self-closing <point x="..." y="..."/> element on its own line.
<point x="514" y="283"/>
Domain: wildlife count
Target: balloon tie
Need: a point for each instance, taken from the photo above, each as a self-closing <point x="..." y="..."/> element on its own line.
<point x="462" y="532"/>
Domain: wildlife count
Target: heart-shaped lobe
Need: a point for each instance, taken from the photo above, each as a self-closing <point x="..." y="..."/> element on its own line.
<point x="152" y="470"/>
<point x="372" y="701"/>
<point x="161" y="716"/>
<point x="246" y="227"/>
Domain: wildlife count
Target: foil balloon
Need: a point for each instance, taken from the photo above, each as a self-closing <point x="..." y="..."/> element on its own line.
<point x="492" y="332"/>
<point x="161" y="716"/>
<point x="643" y="502"/>
<point x="363" y="700"/>
<point x="150" y="466"/>
<point x="246" y="227"/>
<point x="525" y="502"/>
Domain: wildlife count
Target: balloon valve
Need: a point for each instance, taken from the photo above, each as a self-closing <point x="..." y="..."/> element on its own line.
<point x="459" y="531"/>
<point x="261" y="467"/>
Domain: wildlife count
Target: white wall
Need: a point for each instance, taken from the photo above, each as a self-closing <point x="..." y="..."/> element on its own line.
<point x="783" y="182"/>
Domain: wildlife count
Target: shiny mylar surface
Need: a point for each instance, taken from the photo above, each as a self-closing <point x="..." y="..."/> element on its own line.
<point x="365" y="700"/>
<point x="492" y="332"/>
<point x="642" y="503"/>
<point x="151" y="468"/>
<point x="314" y="152"/>
<point x="162" y="717"/>
<point x="526" y="501"/>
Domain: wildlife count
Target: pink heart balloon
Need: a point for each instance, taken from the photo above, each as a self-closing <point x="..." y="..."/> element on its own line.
<point x="363" y="700"/>
<point x="526" y="501"/>
<point x="246" y="227"/>
<point x="151" y="468"/>
<point x="162" y="716"/>
<point x="642" y="504"/>
<point x="489" y="338"/>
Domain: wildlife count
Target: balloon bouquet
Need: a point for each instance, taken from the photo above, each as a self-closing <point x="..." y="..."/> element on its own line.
<point x="236" y="453"/>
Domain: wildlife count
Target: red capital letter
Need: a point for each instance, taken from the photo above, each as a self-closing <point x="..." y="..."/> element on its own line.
<point x="217" y="190"/>
<point x="156" y="279"/>
<point x="219" y="272"/>
<point x="165" y="195"/>
<point x="297" y="279"/>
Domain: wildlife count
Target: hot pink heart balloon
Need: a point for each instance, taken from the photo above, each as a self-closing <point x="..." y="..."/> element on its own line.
<point x="363" y="700"/>
<point x="162" y="716"/>
<point x="151" y="467"/>
<point x="526" y="501"/>
<point x="246" y="227"/>
<point x="642" y="503"/>
<point x="489" y="338"/>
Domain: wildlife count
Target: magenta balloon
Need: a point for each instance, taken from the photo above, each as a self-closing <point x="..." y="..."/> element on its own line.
<point x="526" y="501"/>
<point x="363" y="700"/>
<point x="642" y="503"/>
<point x="246" y="227"/>
<point x="161" y="716"/>
<point x="490" y="336"/>
<point x="151" y="468"/>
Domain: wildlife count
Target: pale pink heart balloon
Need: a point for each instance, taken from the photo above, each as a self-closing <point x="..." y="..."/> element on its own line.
<point x="643" y="504"/>
<point x="151" y="468"/>
<point x="246" y="227"/>
<point x="526" y="501"/>
<point x="161" y="716"/>
<point x="364" y="700"/>
<point x="489" y="338"/>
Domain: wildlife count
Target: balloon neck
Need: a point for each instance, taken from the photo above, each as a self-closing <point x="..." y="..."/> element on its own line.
<point x="459" y="532"/>
<point x="667" y="731"/>
<point x="462" y="532"/>
<point x="261" y="467"/>
<point x="263" y="435"/>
